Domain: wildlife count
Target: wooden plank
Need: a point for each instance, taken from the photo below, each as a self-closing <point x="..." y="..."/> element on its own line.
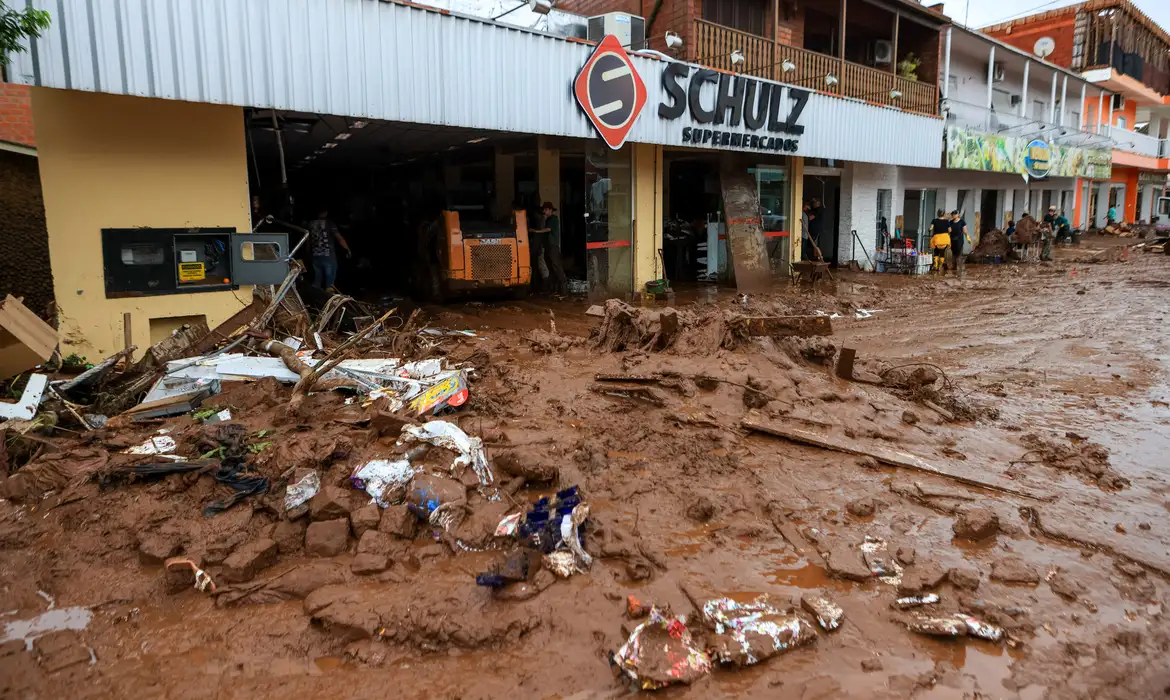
<point x="25" y="340"/>
<point x="845" y="363"/>
<point x="893" y="458"/>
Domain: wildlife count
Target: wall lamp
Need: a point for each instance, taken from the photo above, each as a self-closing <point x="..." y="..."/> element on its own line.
<point x="673" y="40"/>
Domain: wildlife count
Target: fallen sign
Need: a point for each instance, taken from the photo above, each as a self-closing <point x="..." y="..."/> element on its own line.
<point x="778" y="326"/>
<point x="885" y="456"/>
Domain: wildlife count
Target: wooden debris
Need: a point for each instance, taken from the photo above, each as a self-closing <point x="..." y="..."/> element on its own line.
<point x="25" y="340"/>
<point x="782" y="326"/>
<point x="638" y="392"/>
<point x="885" y="456"/>
<point x="845" y="363"/>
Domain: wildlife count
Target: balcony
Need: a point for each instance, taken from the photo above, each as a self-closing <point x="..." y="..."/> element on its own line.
<point x="1133" y="142"/>
<point x="765" y="58"/>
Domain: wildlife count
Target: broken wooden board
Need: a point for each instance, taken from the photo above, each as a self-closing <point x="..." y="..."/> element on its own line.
<point x="780" y="326"/>
<point x="175" y="405"/>
<point x="893" y="458"/>
<point x="637" y="392"/>
<point x="845" y="363"/>
<point x="745" y="230"/>
<point x="25" y="340"/>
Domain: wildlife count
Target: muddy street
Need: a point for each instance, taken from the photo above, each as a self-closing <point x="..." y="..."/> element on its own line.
<point x="1019" y="417"/>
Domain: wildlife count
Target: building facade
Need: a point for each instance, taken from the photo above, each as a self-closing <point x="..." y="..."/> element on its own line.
<point x="168" y="116"/>
<point x="1114" y="45"/>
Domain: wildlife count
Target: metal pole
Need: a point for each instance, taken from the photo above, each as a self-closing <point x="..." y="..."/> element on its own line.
<point x="1100" y="109"/>
<point x="1024" y="96"/>
<point x="990" y="73"/>
<point x="1063" y="98"/>
<point x="280" y="149"/>
<point x="1052" y="101"/>
<point x="1081" y="126"/>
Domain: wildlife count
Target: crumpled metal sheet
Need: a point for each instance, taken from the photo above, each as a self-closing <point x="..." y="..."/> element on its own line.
<point x="570" y="533"/>
<point x="661" y="652"/>
<point x="827" y="613"/>
<point x="938" y="626"/>
<point x="443" y="434"/>
<point x="302" y="491"/>
<point x="880" y="563"/>
<point x="750" y="632"/>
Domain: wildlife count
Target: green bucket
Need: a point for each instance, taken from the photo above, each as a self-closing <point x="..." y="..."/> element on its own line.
<point x="657" y="287"/>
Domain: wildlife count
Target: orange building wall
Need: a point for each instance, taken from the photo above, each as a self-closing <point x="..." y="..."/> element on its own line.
<point x="1129" y="176"/>
<point x="1024" y="32"/>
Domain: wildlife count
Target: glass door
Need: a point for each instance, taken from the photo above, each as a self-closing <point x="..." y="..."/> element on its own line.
<point x="772" y="190"/>
<point x="609" y="220"/>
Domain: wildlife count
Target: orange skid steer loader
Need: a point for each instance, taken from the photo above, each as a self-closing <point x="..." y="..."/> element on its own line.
<point x="483" y="256"/>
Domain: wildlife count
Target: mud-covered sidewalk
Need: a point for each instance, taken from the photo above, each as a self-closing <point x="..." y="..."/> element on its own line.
<point x="1020" y="420"/>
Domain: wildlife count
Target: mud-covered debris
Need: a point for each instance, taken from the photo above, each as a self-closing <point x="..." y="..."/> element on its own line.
<point x="905" y="555"/>
<point x="916" y="601"/>
<point x="910" y="417"/>
<point x="817" y="350"/>
<point x="366" y="564"/>
<point x="979" y="628"/>
<point x="1086" y="459"/>
<point x="861" y="507"/>
<point x="1064" y="584"/>
<point x="327" y="538"/>
<point x="289" y="535"/>
<point x="330" y="503"/>
<point x="468" y="450"/>
<point x="365" y="518"/>
<point x="842" y="561"/>
<point x="626" y="327"/>
<point x="976" y="523"/>
<point x="1013" y="569"/>
<point x="747" y="633"/>
<point x="964" y="578"/>
<point x="828" y="614"/>
<point x="1130" y="569"/>
<point x="302" y="487"/>
<point x="877" y="558"/>
<point x="701" y="509"/>
<point x="636" y="609"/>
<point x="938" y="626"/>
<point x="157" y="548"/>
<point x="871" y="665"/>
<point x="185" y="572"/>
<point x="661" y="652"/>
<point x="533" y="466"/>
<point x="921" y="577"/>
<point x="249" y="559"/>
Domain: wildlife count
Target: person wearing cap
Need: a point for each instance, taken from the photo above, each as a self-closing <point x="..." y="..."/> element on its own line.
<point x="959" y="238"/>
<point x="547" y="240"/>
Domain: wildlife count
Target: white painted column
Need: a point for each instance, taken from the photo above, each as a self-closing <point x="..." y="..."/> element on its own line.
<point x="1109" y="121"/>
<point x="1052" y="101"/>
<point x="946" y="87"/>
<point x="990" y="72"/>
<point x="1149" y="204"/>
<point x="1024" y="95"/>
<point x="1100" y="110"/>
<point x="1063" y="98"/>
<point x="1102" y="204"/>
<point x="1083" y="108"/>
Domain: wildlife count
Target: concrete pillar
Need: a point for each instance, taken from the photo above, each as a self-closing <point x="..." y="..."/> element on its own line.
<point x="1102" y="204"/>
<point x="648" y="208"/>
<point x="505" y="183"/>
<point x="548" y="172"/>
<point x="1149" y="197"/>
<point x="620" y="267"/>
<point x="950" y="199"/>
<point x="847" y="218"/>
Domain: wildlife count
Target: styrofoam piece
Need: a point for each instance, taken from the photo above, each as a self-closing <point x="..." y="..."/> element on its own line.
<point x="26" y="407"/>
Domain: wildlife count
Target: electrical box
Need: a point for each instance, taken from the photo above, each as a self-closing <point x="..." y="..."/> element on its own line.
<point x="155" y="261"/>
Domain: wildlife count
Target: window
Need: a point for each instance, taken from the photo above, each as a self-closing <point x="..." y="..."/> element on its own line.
<point x="1121" y="122"/>
<point x="744" y="15"/>
<point x="260" y="252"/>
<point x="143" y="254"/>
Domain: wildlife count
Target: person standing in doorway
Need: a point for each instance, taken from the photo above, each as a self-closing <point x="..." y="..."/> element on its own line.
<point x="1111" y="215"/>
<point x="816" y="224"/>
<point x="960" y="238"/>
<point x="805" y="248"/>
<point x="324" y="237"/>
<point x="550" y="231"/>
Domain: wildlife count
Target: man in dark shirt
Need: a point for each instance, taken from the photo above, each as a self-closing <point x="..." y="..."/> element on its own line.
<point x="816" y="222"/>
<point x="550" y="239"/>
<point x="323" y="234"/>
<point x="959" y="240"/>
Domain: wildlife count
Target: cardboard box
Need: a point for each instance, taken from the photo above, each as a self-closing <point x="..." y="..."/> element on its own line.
<point x="25" y="340"/>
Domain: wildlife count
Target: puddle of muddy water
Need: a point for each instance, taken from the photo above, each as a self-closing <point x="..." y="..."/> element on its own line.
<point x="76" y="618"/>
<point x="987" y="665"/>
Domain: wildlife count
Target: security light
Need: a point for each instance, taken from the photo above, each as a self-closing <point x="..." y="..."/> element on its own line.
<point x="673" y="40"/>
<point x="737" y="57"/>
<point x="787" y="66"/>
<point x="831" y="80"/>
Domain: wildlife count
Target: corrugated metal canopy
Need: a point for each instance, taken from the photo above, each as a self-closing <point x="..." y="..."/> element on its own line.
<point x="383" y="60"/>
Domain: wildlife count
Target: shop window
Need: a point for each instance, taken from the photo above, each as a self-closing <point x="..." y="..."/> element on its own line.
<point x="143" y="254"/>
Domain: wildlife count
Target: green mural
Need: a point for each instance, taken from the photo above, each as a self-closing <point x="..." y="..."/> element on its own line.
<point x="968" y="149"/>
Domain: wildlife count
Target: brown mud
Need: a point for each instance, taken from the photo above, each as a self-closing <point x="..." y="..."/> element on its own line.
<point x="681" y="497"/>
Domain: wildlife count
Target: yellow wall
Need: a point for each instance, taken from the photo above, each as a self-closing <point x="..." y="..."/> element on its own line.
<point x="647" y="214"/>
<point x="548" y="173"/>
<point x="110" y="161"/>
<point x="795" y="236"/>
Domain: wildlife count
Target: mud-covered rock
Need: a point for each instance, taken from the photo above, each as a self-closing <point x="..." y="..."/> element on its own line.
<point x="398" y="521"/>
<point x="291" y="584"/>
<point x="871" y="665"/>
<point x="1065" y="585"/>
<point x="248" y="560"/>
<point x="921" y="577"/>
<point x="330" y="503"/>
<point x="906" y="555"/>
<point x="842" y="561"/>
<point x="156" y="549"/>
<point x="327" y="538"/>
<point x="178" y="573"/>
<point x="290" y="535"/>
<point x="862" y="507"/>
<point x="1013" y="569"/>
<point x="976" y="523"/>
<point x="964" y="578"/>
<point x="375" y="542"/>
<point x="528" y="463"/>
<point x="909" y="417"/>
<point x="365" y="518"/>
<point x="366" y="564"/>
<point x="701" y="509"/>
<point x="343" y="611"/>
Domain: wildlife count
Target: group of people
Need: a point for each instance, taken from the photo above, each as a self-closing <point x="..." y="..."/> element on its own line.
<point x="949" y="238"/>
<point x="1055" y="226"/>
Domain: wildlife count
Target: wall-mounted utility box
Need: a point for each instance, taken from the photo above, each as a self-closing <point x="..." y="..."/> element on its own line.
<point x="154" y="261"/>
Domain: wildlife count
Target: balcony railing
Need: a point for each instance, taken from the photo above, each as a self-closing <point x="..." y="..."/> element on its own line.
<point x="766" y="58"/>
<point x="1010" y="123"/>
<point x="1132" y="141"/>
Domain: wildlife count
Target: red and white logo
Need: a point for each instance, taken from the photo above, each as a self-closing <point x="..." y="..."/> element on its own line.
<point x="610" y="91"/>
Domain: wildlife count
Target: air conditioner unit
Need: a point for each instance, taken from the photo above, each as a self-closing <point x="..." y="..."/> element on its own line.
<point x="629" y="29"/>
<point x="1016" y="100"/>
<point x="882" y="52"/>
<point x="998" y="74"/>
